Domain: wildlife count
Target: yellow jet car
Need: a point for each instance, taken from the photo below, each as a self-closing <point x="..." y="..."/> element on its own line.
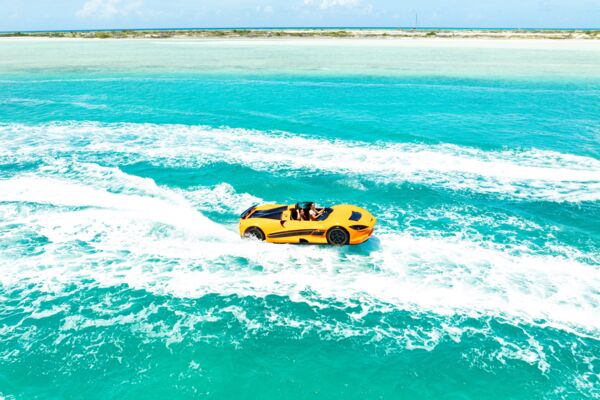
<point x="304" y="223"/>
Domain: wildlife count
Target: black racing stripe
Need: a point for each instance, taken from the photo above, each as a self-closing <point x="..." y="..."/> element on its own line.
<point x="297" y="232"/>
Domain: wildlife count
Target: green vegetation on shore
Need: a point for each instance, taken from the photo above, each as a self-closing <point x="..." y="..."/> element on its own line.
<point x="316" y="33"/>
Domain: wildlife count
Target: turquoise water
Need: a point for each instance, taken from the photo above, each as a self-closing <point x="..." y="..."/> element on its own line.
<point x="124" y="166"/>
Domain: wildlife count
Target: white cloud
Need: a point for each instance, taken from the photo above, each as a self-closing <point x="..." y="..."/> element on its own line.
<point x="326" y="4"/>
<point x="108" y="8"/>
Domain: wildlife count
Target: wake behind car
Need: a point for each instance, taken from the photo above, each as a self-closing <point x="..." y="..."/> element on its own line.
<point x="337" y="225"/>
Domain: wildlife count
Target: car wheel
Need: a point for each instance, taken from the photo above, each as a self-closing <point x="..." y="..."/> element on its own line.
<point x="254" y="232"/>
<point x="338" y="236"/>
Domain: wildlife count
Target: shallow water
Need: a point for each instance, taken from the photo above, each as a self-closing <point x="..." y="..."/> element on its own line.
<point x="124" y="166"/>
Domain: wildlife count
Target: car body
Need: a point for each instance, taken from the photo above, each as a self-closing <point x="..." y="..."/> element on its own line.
<point x="277" y="223"/>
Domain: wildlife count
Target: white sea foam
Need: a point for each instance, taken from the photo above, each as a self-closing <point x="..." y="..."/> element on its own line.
<point x="522" y="174"/>
<point x="151" y="238"/>
<point x="221" y="198"/>
<point x="56" y="192"/>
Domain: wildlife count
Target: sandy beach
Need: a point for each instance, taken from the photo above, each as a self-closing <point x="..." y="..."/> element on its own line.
<point x="380" y="34"/>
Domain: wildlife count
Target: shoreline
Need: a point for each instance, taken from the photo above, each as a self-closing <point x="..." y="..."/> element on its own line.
<point x="463" y="43"/>
<point x="349" y="34"/>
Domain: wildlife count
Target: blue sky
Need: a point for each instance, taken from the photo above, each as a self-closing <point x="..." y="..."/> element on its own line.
<point x="94" y="14"/>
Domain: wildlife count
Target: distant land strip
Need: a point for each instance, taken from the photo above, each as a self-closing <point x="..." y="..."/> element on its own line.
<point x="317" y="33"/>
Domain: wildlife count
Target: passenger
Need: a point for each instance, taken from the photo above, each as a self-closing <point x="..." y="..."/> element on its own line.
<point x="301" y="215"/>
<point x="294" y="215"/>
<point x="313" y="213"/>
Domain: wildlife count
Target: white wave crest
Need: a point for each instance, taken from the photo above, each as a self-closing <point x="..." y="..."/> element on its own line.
<point x="522" y="174"/>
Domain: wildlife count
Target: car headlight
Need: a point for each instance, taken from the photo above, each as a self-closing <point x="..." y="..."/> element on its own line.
<point x="358" y="227"/>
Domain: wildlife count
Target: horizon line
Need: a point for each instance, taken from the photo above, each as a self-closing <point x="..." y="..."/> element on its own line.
<point x="296" y="27"/>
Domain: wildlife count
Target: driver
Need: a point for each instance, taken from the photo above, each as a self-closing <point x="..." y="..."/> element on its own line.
<point x="313" y="213"/>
